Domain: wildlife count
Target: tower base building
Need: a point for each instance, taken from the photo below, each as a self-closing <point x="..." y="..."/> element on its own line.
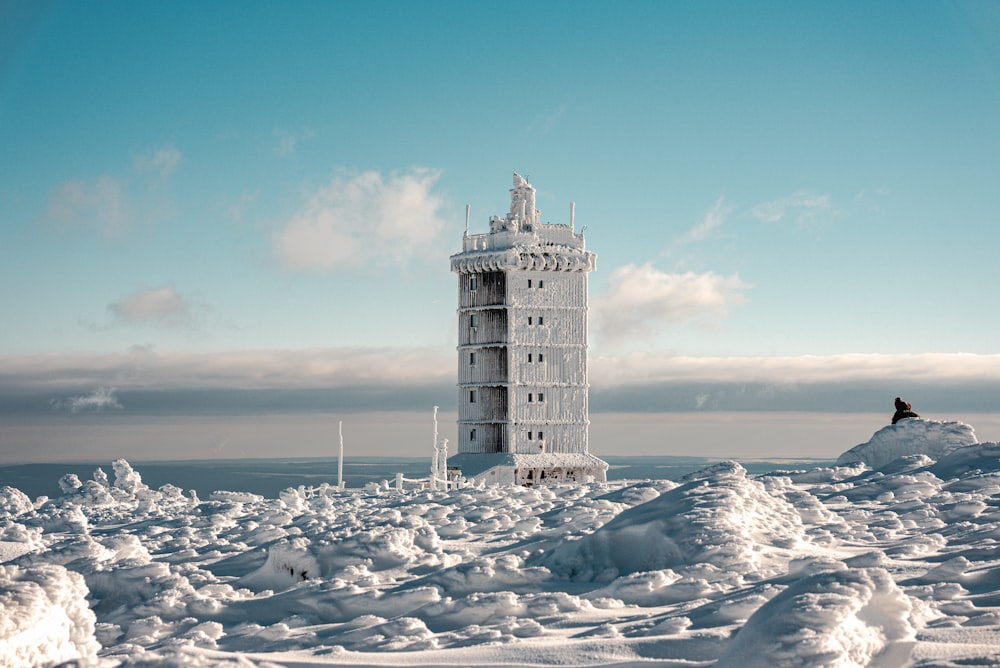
<point x="522" y="350"/>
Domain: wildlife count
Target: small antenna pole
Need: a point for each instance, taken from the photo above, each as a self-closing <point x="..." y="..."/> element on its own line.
<point x="340" y="460"/>
<point x="443" y="463"/>
<point x="434" y="462"/>
<point x="467" y="206"/>
<point x="572" y="214"/>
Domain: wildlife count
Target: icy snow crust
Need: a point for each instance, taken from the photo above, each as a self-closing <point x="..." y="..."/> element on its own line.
<point x="897" y="565"/>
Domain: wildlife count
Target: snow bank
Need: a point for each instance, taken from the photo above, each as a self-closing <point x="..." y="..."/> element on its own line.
<point x="841" y="618"/>
<point x="913" y="436"/>
<point x="45" y="620"/>
<point x="718" y="517"/>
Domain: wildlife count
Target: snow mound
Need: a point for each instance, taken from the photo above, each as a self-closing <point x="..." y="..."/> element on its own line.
<point x="14" y="502"/>
<point x="840" y="618"/>
<point x="46" y="619"/>
<point x="718" y="517"/>
<point x="913" y="436"/>
<point x="17" y="539"/>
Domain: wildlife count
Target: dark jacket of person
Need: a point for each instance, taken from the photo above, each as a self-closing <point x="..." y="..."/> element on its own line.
<point x="903" y="410"/>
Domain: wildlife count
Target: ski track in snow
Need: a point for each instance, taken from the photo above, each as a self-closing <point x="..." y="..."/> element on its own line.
<point x="890" y="558"/>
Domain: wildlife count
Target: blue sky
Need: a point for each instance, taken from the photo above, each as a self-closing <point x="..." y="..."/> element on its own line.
<point x="794" y="205"/>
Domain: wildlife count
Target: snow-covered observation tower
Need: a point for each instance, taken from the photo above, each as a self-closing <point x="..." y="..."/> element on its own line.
<point x="522" y="350"/>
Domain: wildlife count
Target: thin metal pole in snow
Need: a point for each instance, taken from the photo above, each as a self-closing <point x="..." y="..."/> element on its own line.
<point x="340" y="459"/>
<point x="434" y="461"/>
<point x="443" y="463"/>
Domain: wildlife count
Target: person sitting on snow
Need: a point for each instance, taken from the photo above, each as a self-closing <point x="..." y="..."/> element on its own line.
<point x="903" y="411"/>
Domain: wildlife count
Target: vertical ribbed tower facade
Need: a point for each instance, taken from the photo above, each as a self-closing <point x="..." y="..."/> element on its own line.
<point x="522" y="349"/>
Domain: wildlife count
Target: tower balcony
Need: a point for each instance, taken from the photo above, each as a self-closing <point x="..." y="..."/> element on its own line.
<point x="486" y="255"/>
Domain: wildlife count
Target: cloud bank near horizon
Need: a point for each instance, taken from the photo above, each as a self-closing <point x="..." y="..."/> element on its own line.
<point x="144" y="381"/>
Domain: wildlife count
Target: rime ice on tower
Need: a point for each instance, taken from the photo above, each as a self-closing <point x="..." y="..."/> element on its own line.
<point x="522" y="350"/>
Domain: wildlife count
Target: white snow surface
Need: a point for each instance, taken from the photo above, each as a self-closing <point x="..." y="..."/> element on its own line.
<point x="911" y="436"/>
<point x="889" y="559"/>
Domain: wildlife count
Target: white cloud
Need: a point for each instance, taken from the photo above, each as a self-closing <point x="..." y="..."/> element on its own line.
<point x="362" y="217"/>
<point x="100" y="204"/>
<point x="144" y="368"/>
<point x="288" y="141"/>
<point x="153" y="306"/>
<point x="710" y="222"/>
<point x="802" y="206"/>
<point x="641" y="300"/>
<point x="641" y="368"/>
<point x="238" y="209"/>
<point x="363" y="377"/>
<point x="162" y="160"/>
<point x="110" y="205"/>
<point x="101" y="399"/>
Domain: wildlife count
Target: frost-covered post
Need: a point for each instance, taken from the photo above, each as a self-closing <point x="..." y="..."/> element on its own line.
<point x="443" y="463"/>
<point x="434" y="460"/>
<point x="340" y="459"/>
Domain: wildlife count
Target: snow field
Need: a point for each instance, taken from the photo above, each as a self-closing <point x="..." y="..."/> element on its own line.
<point x="896" y="565"/>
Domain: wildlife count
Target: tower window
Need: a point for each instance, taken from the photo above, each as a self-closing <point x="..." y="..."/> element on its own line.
<point x="529" y="435"/>
<point x="541" y="396"/>
<point x="541" y="320"/>
<point x="472" y="358"/>
<point x="541" y="283"/>
<point x="530" y="320"/>
<point x="531" y="397"/>
<point x="472" y="283"/>
<point x="473" y="320"/>
<point x="472" y="396"/>
<point x="472" y="434"/>
<point x="541" y="357"/>
<point x="529" y="358"/>
<point x="541" y="436"/>
<point x="529" y="282"/>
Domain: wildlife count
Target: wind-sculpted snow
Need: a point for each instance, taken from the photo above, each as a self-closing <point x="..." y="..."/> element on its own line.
<point x="717" y="517"/>
<point x="910" y="437"/>
<point x="838" y="618"/>
<point x="45" y="617"/>
<point x="896" y="565"/>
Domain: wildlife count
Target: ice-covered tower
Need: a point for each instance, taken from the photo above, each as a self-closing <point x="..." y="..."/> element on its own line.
<point x="522" y="350"/>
